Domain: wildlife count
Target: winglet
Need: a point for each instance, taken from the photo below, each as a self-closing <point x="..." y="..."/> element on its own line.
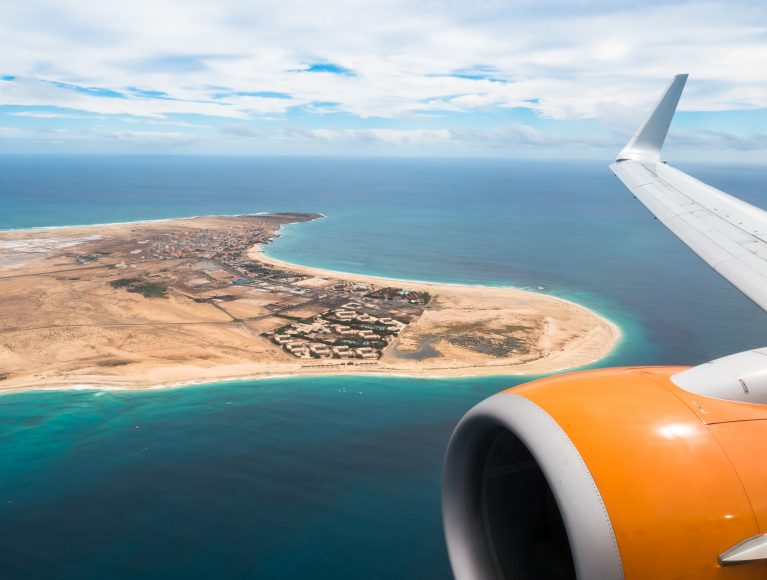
<point x="646" y="143"/>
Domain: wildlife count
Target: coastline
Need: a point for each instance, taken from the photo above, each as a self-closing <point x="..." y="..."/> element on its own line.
<point x="592" y="347"/>
<point x="135" y="222"/>
<point x="260" y="253"/>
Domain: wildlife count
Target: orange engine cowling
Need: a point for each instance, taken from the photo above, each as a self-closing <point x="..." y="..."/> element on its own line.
<point x="606" y="474"/>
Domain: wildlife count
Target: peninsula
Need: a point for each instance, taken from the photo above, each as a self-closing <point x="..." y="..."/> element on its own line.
<point x="195" y="300"/>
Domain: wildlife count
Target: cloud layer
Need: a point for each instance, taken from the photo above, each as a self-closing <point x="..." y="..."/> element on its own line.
<point x="421" y="76"/>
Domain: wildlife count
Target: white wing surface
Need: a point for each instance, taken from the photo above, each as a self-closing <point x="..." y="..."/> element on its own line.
<point x="728" y="233"/>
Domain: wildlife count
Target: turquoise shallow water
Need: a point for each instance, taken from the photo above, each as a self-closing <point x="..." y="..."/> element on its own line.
<point x="322" y="478"/>
<point x="326" y="477"/>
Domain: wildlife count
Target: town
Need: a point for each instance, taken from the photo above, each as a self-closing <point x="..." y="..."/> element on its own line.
<point x="314" y="317"/>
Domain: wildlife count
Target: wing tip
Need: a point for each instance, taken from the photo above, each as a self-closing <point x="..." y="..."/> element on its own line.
<point x="647" y="142"/>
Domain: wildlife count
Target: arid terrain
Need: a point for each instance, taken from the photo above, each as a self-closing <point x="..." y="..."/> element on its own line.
<point x="192" y="300"/>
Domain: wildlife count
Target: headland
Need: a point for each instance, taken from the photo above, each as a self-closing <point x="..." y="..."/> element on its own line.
<point x="196" y="300"/>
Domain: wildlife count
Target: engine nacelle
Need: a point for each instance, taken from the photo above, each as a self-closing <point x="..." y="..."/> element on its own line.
<point x="607" y="474"/>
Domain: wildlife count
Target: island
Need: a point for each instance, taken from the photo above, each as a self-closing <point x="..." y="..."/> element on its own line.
<point x="182" y="301"/>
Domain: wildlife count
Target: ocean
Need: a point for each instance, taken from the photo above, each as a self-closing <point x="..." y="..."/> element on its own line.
<point x="334" y="477"/>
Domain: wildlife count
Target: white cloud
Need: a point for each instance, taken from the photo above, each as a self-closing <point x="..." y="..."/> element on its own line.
<point x="509" y="136"/>
<point x="718" y="140"/>
<point x="150" y="137"/>
<point x="26" y="91"/>
<point x="43" y="115"/>
<point x="562" y="60"/>
<point x="570" y="62"/>
<point x="381" y="136"/>
<point x="10" y="133"/>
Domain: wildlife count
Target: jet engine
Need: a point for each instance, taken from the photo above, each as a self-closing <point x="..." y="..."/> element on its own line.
<point x="613" y="473"/>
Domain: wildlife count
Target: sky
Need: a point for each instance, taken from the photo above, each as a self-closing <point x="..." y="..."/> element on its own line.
<point x="486" y="78"/>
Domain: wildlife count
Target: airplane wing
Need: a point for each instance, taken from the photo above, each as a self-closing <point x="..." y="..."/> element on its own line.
<point x="728" y="233"/>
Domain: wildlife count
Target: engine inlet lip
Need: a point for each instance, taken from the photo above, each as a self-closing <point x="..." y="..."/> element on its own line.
<point x="589" y="529"/>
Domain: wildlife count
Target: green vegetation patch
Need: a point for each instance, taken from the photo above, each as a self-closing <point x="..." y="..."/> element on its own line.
<point x="123" y="282"/>
<point x="270" y="273"/>
<point x="257" y="268"/>
<point x="150" y="290"/>
<point x="138" y="286"/>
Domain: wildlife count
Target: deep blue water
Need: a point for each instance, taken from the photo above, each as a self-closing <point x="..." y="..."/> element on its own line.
<point x="331" y="477"/>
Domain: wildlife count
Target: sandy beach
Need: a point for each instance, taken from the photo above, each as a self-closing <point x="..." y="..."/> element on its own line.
<point x="147" y="304"/>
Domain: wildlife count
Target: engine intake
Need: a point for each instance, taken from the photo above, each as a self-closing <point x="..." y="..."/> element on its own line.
<point x="518" y="500"/>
